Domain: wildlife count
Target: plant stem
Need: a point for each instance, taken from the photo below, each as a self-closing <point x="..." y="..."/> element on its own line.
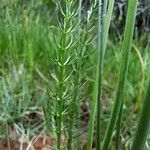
<point x="100" y="64"/>
<point x="138" y="101"/>
<point x="92" y="116"/>
<point x="96" y="93"/>
<point x="74" y="107"/>
<point x="144" y="124"/>
<point x="98" y="86"/>
<point x="101" y="48"/>
<point x="107" y="21"/>
<point x="61" y="75"/>
<point x="72" y="117"/>
<point x="75" y="104"/>
<point x="60" y="95"/>
<point x="118" y="127"/>
<point x="129" y="28"/>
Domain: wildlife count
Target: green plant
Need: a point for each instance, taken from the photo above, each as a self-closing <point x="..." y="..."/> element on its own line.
<point x="15" y="98"/>
<point x="63" y="59"/>
<point x="144" y="124"/>
<point x="104" y="17"/>
<point x="69" y="58"/>
<point x="72" y="49"/>
<point x="128" y="35"/>
<point x="76" y="85"/>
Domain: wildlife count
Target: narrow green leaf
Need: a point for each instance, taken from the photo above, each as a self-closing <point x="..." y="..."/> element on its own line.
<point x="129" y="28"/>
<point x="144" y="124"/>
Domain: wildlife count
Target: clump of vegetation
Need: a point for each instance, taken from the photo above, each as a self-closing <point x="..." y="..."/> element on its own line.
<point x="59" y="67"/>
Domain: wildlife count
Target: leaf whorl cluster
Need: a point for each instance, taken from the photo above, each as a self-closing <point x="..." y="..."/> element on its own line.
<point x="69" y="54"/>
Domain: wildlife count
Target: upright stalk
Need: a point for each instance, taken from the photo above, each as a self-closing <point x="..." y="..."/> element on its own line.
<point x="98" y="86"/>
<point x="144" y="124"/>
<point x="60" y="94"/>
<point x="118" y="128"/>
<point x="107" y="20"/>
<point x="97" y="91"/>
<point x="129" y="28"/>
<point x="72" y="114"/>
<point x="61" y="76"/>
<point x="75" y="104"/>
<point x="101" y="16"/>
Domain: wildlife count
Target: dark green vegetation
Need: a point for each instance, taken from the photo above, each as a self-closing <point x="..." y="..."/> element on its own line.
<point x="143" y="128"/>
<point x="59" y="69"/>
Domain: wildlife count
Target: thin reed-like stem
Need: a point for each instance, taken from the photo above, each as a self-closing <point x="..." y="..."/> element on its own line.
<point x="98" y="85"/>
<point x="118" y="128"/>
<point x="144" y="124"/>
<point x="129" y="28"/>
<point x="97" y="91"/>
<point x="107" y="20"/>
<point x="101" y="34"/>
